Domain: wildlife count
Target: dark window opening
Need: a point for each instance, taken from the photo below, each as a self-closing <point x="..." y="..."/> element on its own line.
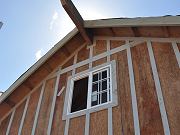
<point x="80" y="91"/>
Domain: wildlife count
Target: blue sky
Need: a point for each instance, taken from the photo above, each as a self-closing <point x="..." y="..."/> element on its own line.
<point x="32" y="27"/>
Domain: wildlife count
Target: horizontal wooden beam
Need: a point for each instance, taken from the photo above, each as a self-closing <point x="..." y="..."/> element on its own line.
<point x="77" y="19"/>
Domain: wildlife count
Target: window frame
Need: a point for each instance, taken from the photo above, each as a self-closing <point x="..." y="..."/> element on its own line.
<point x="89" y="73"/>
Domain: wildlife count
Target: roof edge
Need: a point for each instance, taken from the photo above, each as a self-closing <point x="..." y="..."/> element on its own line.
<point x="34" y="67"/>
<point x="139" y="21"/>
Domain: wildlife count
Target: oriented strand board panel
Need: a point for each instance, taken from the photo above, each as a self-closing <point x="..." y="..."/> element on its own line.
<point x="17" y="119"/>
<point x="116" y="43"/>
<point x="99" y="62"/>
<point x="83" y="54"/>
<point x="99" y="123"/>
<point x="31" y="111"/>
<point x="68" y="63"/>
<point x="4" y="125"/>
<point x="77" y="126"/>
<point x="45" y="108"/>
<point x="122" y="114"/>
<point x="100" y="47"/>
<point x="169" y="74"/>
<point x="58" y="124"/>
<point x="148" y="107"/>
<point x="82" y="68"/>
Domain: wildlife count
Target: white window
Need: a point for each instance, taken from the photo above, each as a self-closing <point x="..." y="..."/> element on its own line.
<point x="90" y="90"/>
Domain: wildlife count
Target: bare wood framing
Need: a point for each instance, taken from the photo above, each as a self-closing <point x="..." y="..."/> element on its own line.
<point x="110" y="128"/>
<point x="24" y="114"/>
<point x="87" y="123"/>
<point x="10" y="122"/>
<point x="53" y="105"/>
<point x="133" y="93"/>
<point x="68" y="119"/>
<point x="77" y="19"/>
<point x="158" y="90"/>
<point x="38" y="109"/>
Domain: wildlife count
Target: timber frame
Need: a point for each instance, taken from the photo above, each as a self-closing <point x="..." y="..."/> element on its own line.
<point x="134" y="32"/>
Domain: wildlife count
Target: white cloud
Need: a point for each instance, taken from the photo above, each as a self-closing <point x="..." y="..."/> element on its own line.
<point x="54" y="18"/>
<point x="39" y="54"/>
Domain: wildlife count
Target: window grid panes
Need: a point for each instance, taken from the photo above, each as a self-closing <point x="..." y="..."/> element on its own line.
<point x="100" y="87"/>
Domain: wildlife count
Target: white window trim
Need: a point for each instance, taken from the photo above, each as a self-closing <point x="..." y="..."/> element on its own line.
<point x="69" y="91"/>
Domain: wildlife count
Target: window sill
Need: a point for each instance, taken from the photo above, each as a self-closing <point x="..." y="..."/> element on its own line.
<point x="90" y="110"/>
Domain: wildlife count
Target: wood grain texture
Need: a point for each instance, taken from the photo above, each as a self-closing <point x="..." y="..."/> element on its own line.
<point x="148" y="107"/>
<point x="58" y="124"/>
<point x="83" y="54"/>
<point x="17" y="119"/>
<point x="68" y="63"/>
<point x="31" y="111"/>
<point x="116" y="43"/>
<point x="77" y="126"/>
<point x="82" y="68"/>
<point x="169" y="75"/>
<point x="100" y="47"/>
<point x="99" y="123"/>
<point x="99" y="62"/>
<point x="4" y="125"/>
<point x="122" y="114"/>
<point x="45" y="108"/>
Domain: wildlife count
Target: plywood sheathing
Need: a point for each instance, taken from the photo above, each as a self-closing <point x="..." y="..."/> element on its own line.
<point x="45" y="108"/>
<point x="68" y="63"/>
<point x="100" y="47"/>
<point x="148" y="107"/>
<point x="99" y="123"/>
<point x="83" y="54"/>
<point x="31" y="111"/>
<point x="77" y="125"/>
<point x="58" y="124"/>
<point x="116" y="43"/>
<point x="169" y="75"/>
<point x="122" y="114"/>
<point x="82" y="68"/>
<point x="4" y="125"/>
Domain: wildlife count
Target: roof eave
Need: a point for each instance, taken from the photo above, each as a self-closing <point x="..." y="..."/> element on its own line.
<point x="130" y="22"/>
<point x="40" y="62"/>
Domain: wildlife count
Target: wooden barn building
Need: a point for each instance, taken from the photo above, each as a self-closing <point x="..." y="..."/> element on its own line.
<point x="106" y="77"/>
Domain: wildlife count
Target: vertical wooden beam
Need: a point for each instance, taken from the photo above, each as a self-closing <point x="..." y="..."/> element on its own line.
<point x="38" y="108"/>
<point x="110" y="127"/>
<point x="53" y="104"/>
<point x="10" y="122"/>
<point x="77" y="19"/>
<point x="133" y="93"/>
<point x="24" y="115"/>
